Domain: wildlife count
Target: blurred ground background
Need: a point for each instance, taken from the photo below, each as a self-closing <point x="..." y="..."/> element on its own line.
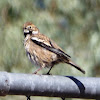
<point x="73" y="24"/>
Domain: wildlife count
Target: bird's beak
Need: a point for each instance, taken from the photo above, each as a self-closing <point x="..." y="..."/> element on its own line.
<point x="26" y="31"/>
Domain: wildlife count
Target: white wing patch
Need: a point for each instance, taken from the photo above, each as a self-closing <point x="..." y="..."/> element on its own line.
<point x="40" y="40"/>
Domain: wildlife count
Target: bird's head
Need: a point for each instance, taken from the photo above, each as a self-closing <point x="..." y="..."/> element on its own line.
<point x="30" y="28"/>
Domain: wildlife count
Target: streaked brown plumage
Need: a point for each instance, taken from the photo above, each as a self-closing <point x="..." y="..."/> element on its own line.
<point x="42" y="51"/>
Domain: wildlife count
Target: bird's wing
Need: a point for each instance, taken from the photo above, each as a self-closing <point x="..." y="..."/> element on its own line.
<point x="53" y="44"/>
<point x="48" y="44"/>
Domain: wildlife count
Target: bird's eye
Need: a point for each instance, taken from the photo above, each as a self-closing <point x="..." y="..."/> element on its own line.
<point x="29" y="27"/>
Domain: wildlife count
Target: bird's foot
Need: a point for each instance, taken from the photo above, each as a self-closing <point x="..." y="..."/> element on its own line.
<point x="34" y="72"/>
<point x="48" y="73"/>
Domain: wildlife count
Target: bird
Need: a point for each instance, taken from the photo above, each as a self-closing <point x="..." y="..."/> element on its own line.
<point x="42" y="51"/>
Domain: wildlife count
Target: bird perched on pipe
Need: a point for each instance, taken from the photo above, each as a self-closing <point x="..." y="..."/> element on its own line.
<point x="42" y="51"/>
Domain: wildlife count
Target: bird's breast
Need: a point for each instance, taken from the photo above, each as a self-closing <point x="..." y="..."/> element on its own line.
<point x="39" y="56"/>
<point x="33" y="58"/>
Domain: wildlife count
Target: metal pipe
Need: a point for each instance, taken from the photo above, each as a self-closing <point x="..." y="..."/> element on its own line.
<point x="49" y="85"/>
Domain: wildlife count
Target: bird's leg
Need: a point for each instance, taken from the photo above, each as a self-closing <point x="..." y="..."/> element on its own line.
<point x="48" y="73"/>
<point x="37" y="70"/>
<point x="63" y="98"/>
<point x="28" y="98"/>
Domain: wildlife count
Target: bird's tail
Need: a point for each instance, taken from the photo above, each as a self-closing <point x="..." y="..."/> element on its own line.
<point x="77" y="67"/>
